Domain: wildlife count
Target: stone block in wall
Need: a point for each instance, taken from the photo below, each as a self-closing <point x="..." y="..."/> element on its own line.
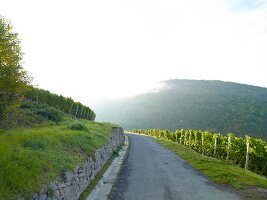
<point x="70" y="192"/>
<point x="58" y="194"/>
<point x="67" y="176"/>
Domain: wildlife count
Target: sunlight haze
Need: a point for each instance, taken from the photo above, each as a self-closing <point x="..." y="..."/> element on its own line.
<point x="92" y="50"/>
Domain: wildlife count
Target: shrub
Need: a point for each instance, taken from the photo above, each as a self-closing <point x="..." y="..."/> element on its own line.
<point x="77" y="126"/>
<point x="50" y="114"/>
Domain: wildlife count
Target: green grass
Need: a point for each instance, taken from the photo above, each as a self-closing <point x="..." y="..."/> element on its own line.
<point x="32" y="157"/>
<point x="220" y="172"/>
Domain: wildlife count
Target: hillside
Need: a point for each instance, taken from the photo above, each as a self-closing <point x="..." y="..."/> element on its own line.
<point x="40" y="106"/>
<point x="40" y="154"/>
<point x="42" y="135"/>
<point x="193" y="104"/>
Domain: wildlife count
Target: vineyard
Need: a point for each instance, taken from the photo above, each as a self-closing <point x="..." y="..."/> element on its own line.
<point x="249" y="153"/>
<point x="66" y="105"/>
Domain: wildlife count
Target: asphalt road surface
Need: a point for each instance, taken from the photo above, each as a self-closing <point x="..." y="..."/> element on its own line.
<point x="150" y="172"/>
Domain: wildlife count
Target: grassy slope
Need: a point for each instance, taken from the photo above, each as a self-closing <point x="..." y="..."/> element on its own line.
<point x="31" y="157"/>
<point x="219" y="171"/>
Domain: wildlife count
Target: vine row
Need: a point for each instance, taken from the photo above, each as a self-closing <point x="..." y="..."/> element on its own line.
<point x="249" y="153"/>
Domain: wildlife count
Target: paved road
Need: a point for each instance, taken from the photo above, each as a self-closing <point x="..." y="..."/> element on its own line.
<point x="151" y="172"/>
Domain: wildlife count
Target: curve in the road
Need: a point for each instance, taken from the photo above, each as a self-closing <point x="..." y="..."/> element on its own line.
<point x="151" y="172"/>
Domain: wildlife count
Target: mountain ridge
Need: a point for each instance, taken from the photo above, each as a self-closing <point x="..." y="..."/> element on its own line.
<point x="216" y="106"/>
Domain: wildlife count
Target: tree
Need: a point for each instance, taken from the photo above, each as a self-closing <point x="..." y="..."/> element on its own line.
<point x="13" y="78"/>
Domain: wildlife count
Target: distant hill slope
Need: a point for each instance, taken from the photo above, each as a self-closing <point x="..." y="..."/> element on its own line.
<point x="193" y="104"/>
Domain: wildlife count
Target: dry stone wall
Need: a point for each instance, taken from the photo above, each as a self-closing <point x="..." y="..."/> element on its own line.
<point x="75" y="181"/>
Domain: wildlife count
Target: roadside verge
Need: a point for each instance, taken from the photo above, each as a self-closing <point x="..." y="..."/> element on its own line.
<point x="247" y="183"/>
<point x="105" y="184"/>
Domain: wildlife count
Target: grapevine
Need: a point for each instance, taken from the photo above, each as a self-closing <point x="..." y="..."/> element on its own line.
<point x="249" y="153"/>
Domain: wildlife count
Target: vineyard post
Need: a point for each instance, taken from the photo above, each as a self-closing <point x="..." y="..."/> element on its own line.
<point x="196" y="139"/>
<point x="84" y="113"/>
<point x="181" y="137"/>
<point x="190" y="139"/>
<point x="215" y="146"/>
<point x="202" y="142"/>
<point x="71" y="108"/>
<point x="185" y="135"/>
<point x="81" y="111"/>
<point x="176" y="135"/>
<point x="228" y="146"/>
<point x="247" y="155"/>
<point x="165" y="134"/>
<point x="77" y="110"/>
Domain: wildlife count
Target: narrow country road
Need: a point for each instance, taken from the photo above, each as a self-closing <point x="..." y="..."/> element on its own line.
<point x="151" y="172"/>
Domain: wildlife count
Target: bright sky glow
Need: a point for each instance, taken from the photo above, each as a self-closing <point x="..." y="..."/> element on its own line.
<point x="105" y="49"/>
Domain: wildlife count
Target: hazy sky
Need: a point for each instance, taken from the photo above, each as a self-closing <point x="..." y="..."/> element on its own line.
<point x="95" y="49"/>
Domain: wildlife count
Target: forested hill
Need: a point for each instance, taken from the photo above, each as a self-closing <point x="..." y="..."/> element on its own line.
<point x="193" y="104"/>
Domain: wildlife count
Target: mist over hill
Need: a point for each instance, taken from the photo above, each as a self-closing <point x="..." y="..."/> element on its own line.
<point x="193" y="104"/>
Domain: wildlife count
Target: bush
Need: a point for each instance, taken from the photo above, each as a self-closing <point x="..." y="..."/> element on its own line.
<point x="26" y="105"/>
<point x="77" y="126"/>
<point x="50" y="114"/>
<point x="27" y="118"/>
